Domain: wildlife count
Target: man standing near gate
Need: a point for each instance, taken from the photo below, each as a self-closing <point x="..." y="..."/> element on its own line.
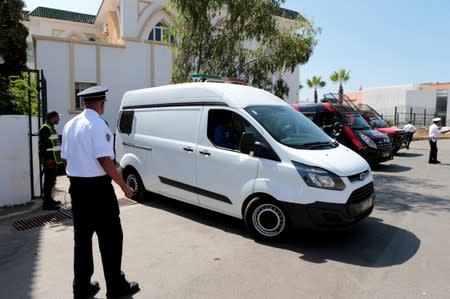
<point x="50" y="156"/>
<point x="87" y="150"/>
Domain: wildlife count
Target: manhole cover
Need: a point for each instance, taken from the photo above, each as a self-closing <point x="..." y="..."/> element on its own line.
<point x="123" y="201"/>
<point x="57" y="217"/>
<point x="47" y="219"/>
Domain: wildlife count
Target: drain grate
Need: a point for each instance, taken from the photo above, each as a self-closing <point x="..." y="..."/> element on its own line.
<point x="123" y="201"/>
<point x="57" y="217"/>
<point x="52" y="218"/>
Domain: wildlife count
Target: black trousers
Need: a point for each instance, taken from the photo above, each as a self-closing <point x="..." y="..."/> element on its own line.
<point x="433" y="150"/>
<point x="49" y="181"/>
<point x="95" y="209"/>
<point x="409" y="137"/>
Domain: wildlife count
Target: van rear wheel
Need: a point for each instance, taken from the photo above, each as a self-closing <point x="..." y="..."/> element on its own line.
<point x="133" y="180"/>
<point x="266" y="220"/>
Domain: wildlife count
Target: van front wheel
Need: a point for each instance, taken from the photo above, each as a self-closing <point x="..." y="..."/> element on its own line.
<point x="133" y="180"/>
<point x="265" y="219"/>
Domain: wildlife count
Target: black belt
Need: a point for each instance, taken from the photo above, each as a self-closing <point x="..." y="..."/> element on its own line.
<point x="95" y="179"/>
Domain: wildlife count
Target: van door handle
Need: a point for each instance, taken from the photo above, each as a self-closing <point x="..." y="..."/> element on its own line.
<point x="205" y="153"/>
<point x="188" y="149"/>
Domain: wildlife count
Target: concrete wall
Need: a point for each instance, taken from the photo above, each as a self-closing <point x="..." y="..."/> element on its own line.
<point x="404" y="97"/>
<point x="385" y="99"/>
<point x="15" y="174"/>
<point x="421" y="102"/>
<point x="120" y="68"/>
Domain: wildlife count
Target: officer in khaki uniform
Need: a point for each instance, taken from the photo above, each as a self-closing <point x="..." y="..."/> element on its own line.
<point x="87" y="151"/>
<point x="50" y="156"/>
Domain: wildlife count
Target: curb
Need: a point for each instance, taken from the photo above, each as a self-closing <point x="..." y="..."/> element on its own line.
<point x="37" y="204"/>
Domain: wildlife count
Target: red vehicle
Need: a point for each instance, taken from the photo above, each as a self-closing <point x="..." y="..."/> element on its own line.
<point x="341" y="121"/>
<point x="398" y="136"/>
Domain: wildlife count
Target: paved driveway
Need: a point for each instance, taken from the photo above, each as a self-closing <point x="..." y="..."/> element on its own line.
<point x="179" y="251"/>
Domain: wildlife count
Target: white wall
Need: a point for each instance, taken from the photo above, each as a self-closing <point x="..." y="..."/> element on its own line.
<point x="123" y="69"/>
<point x="420" y="100"/>
<point x="53" y="58"/>
<point x="15" y="163"/>
<point x="163" y="65"/>
<point x="292" y="80"/>
<point x="384" y="99"/>
<point x="85" y="63"/>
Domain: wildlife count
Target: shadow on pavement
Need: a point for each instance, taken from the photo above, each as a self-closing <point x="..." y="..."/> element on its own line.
<point x="396" y="195"/>
<point x="19" y="259"/>
<point x="367" y="244"/>
<point x="363" y="244"/>
<point x="393" y="168"/>
<point x="408" y="154"/>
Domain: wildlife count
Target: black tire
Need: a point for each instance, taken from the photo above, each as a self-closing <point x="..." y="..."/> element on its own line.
<point x="133" y="180"/>
<point x="266" y="220"/>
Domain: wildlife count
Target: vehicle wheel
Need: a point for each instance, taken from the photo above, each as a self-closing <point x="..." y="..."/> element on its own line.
<point x="133" y="180"/>
<point x="395" y="150"/>
<point x="266" y="220"/>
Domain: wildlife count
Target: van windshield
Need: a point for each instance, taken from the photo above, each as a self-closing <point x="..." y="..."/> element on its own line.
<point x="379" y="122"/>
<point x="291" y="128"/>
<point x="355" y="121"/>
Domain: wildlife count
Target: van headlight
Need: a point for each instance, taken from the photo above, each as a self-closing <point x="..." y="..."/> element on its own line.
<point x="319" y="177"/>
<point x="368" y="141"/>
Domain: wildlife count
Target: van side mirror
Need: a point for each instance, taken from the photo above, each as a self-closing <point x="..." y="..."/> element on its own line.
<point x="248" y="143"/>
<point x="338" y="127"/>
<point x="251" y="146"/>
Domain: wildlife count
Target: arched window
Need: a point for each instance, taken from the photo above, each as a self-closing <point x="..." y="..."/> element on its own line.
<point x="160" y="33"/>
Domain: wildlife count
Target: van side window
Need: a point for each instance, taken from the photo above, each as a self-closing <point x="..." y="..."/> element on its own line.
<point x="225" y="128"/>
<point x="126" y="122"/>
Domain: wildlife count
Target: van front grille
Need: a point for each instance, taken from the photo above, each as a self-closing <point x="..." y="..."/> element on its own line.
<point x="361" y="193"/>
<point x="385" y="146"/>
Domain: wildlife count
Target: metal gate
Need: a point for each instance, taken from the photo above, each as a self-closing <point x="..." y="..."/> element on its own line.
<point x="33" y="134"/>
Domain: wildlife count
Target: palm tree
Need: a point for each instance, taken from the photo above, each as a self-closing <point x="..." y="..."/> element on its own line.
<point x="340" y="76"/>
<point x="315" y="82"/>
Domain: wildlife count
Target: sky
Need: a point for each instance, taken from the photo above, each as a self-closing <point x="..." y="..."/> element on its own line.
<point x="381" y="43"/>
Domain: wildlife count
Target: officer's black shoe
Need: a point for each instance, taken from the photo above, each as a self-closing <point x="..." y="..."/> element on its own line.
<point x="128" y="289"/>
<point x="55" y="202"/>
<point x="92" y="289"/>
<point x="50" y="206"/>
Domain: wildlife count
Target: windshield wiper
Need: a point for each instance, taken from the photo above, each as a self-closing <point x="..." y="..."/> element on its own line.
<point x="313" y="145"/>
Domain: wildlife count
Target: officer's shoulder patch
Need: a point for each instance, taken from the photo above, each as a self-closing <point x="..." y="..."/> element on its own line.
<point x="108" y="137"/>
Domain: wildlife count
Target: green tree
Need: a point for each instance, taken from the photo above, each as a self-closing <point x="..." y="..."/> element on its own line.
<point x="212" y="38"/>
<point x="13" y="47"/>
<point x="13" y="36"/>
<point x="22" y="89"/>
<point x="315" y="82"/>
<point x="340" y="76"/>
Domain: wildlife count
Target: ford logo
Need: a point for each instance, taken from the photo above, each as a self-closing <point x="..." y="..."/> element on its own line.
<point x="363" y="175"/>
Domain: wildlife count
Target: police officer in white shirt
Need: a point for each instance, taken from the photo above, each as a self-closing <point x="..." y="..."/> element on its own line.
<point x="433" y="133"/>
<point x="87" y="151"/>
<point x="410" y="129"/>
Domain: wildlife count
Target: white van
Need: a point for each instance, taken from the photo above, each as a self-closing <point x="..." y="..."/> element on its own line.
<point x="279" y="172"/>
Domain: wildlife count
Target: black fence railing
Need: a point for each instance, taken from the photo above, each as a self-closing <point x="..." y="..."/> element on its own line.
<point x="417" y="117"/>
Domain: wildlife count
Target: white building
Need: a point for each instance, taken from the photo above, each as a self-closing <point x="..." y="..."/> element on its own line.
<point x="419" y="102"/>
<point x="122" y="48"/>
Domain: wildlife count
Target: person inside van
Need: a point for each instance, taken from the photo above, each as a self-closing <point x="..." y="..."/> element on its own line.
<point x="224" y="135"/>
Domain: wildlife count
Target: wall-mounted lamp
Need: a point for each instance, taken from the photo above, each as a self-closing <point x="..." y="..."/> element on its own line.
<point x="105" y="29"/>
